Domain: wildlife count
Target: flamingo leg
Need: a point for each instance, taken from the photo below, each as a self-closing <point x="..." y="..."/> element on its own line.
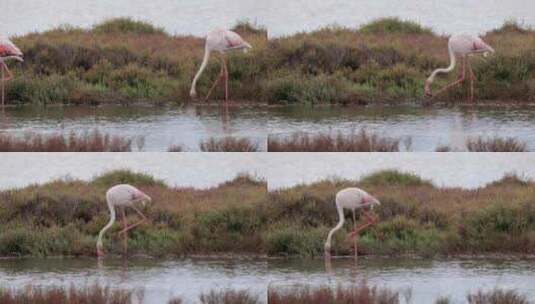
<point x="125" y="236"/>
<point x="457" y="82"/>
<point x="472" y="78"/>
<point x="221" y="75"/>
<point x="226" y="79"/>
<point x="371" y="221"/>
<point x="144" y="219"/>
<point x="356" y="235"/>
<point x="4" y="69"/>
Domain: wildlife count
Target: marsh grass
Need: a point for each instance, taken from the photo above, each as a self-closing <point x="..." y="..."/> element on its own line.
<point x="239" y="216"/>
<point x="93" y="141"/>
<point x="361" y="141"/>
<point x="497" y="296"/>
<point x="360" y="293"/>
<point x="60" y="295"/>
<point x="495" y="144"/>
<point x="228" y="144"/>
<point x="228" y="296"/>
<point x="387" y="60"/>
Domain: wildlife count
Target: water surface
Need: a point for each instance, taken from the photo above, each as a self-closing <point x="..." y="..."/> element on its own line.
<point x="159" y="127"/>
<point x="164" y="279"/>
<point x="423" y="280"/>
<point x="427" y="128"/>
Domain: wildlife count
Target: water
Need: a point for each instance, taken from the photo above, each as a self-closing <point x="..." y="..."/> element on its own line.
<point x="427" y="279"/>
<point x="160" y="127"/>
<point x="162" y="280"/>
<point x="279" y="16"/>
<point x="427" y="127"/>
<point x="159" y="280"/>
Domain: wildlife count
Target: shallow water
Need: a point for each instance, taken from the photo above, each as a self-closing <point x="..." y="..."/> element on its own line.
<point x="160" y="127"/>
<point x="427" y="128"/>
<point x="426" y="279"/>
<point x="162" y="280"/>
<point x="280" y="17"/>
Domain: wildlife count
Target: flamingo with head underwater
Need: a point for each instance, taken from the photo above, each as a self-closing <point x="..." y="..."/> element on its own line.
<point x="352" y="199"/>
<point x="122" y="196"/>
<point x="8" y="50"/>
<point x="222" y="41"/>
<point x="460" y="46"/>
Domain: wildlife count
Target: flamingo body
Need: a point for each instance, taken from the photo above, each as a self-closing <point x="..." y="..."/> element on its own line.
<point x="122" y="195"/>
<point x="460" y="46"/>
<point x="9" y="50"/>
<point x="222" y="41"/>
<point x="352" y="199"/>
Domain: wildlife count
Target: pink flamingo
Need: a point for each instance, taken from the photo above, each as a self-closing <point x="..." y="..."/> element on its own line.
<point x="122" y="196"/>
<point x="8" y="50"/>
<point x="222" y="41"/>
<point x="352" y="198"/>
<point x="462" y="46"/>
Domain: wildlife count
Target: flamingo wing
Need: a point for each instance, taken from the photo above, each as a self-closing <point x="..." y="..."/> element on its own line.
<point x="7" y="48"/>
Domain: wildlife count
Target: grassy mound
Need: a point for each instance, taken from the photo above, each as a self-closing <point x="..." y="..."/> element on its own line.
<point x="385" y="61"/>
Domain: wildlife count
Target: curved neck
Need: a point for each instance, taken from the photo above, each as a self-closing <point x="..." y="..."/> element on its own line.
<point x="453" y="60"/>
<point x="336" y="228"/>
<point x="204" y="63"/>
<point x="108" y="226"/>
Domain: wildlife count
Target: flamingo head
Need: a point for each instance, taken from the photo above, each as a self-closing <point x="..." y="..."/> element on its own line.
<point x="246" y="47"/>
<point x="100" y="252"/>
<point x="427" y="89"/>
<point x="146" y="199"/>
<point x="193" y="94"/>
<point x="375" y="202"/>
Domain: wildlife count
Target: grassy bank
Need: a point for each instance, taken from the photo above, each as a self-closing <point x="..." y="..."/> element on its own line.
<point x="416" y="218"/>
<point x="361" y="141"/>
<point x="359" y="293"/>
<point x="93" y="141"/>
<point x="384" y="61"/>
<point x="364" y="294"/>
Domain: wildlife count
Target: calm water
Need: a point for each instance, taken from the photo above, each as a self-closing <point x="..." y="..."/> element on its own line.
<point x="281" y="17"/>
<point x="427" y="127"/>
<point x="426" y="279"/>
<point x="160" y="127"/>
<point x="162" y="280"/>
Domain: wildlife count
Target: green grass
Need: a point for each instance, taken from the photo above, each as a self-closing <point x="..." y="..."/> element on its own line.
<point x="240" y="216"/>
<point x="386" y="61"/>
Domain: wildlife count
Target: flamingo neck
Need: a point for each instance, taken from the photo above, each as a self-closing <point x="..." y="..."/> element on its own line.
<point x="108" y="226"/>
<point x="336" y="228"/>
<point x="193" y="91"/>
<point x="453" y="61"/>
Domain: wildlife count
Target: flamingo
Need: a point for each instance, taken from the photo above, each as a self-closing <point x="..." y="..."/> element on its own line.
<point x="8" y="50"/>
<point x="222" y="41"/>
<point x="352" y="198"/>
<point x="462" y="46"/>
<point x="123" y="196"/>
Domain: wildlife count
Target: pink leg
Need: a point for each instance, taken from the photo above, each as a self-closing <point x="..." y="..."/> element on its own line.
<point x="472" y="77"/>
<point x="226" y="79"/>
<point x="221" y="74"/>
<point x="356" y="236"/>
<point x="4" y="79"/>
<point x="125" y="236"/>
<point x="457" y="82"/>
<point x="144" y="219"/>
<point x="371" y="221"/>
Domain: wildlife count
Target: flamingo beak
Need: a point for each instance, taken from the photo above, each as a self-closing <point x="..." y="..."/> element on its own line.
<point x="427" y="90"/>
